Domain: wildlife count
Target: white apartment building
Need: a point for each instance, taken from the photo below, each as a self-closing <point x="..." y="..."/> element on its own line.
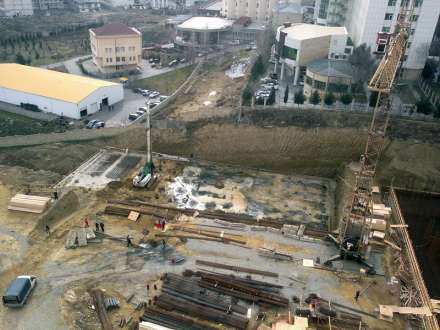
<point x="369" y="22"/>
<point x="16" y="7"/>
<point x="258" y="10"/>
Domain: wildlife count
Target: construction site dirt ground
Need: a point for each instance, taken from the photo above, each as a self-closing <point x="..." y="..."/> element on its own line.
<point x="213" y="94"/>
<point x="61" y="299"/>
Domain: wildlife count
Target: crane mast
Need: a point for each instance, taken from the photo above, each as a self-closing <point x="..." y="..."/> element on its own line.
<point x="353" y="230"/>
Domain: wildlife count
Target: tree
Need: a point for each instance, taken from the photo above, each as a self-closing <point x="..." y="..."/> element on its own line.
<point x="373" y="99"/>
<point x="286" y="94"/>
<point x="20" y="59"/>
<point x="424" y="106"/>
<point x="329" y="99"/>
<point x="37" y="55"/>
<point x="247" y="96"/>
<point x="429" y="70"/>
<point x="258" y="68"/>
<point x="315" y="98"/>
<point x="346" y="99"/>
<point x="437" y="112"/>
<point x="299" y="98"/>
<point x="271" y="98"/>
<point x="363" y="63"/>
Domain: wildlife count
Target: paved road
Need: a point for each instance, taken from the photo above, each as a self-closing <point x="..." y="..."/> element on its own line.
<point x="73" y="135"/>
<point x="70" y="65"/>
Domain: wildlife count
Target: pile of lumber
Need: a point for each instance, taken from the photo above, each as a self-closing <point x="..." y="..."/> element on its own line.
<point x="28" y="203"/>
<point x="380" y="215"/>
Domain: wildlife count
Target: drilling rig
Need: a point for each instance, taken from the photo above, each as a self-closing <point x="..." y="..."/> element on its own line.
<point x="147" y="175"/>
<point x="353" y="237"/>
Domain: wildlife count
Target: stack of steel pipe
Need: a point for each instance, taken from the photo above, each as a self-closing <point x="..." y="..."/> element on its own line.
<point x="238" y="289"/>
<point x="173" y="303"/>
<point x="172" y="320"/>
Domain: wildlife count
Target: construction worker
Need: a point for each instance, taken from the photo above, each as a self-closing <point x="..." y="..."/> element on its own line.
<point x="86" y="223"/>
<point x="356" y="297"/>
<point x="129" y="241"/>
<point x="97" y="225"/>
<point x="102" y="226"/>
<point x="47" y="230"/>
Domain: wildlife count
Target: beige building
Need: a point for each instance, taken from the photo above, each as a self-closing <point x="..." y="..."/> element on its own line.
<point x="116" y="47"/>
<point x="299" y="44"/>
<point x="326" y="76"/>
<point x="258" y="10"/>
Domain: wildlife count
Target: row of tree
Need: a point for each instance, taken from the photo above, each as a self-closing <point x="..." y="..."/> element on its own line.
<point x="315" y="98"/>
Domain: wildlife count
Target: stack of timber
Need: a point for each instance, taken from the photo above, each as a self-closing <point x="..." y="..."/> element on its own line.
<point x="28" y="203"/>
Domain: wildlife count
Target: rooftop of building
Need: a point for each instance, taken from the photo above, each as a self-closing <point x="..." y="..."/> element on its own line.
<point x="48" y="83"/>
<point x="303" y="31"/>
<point x="115" y="29"/>
<point x="206" y="23"/>
<point x="178" y="19"/>
<point x="331" y="68"/>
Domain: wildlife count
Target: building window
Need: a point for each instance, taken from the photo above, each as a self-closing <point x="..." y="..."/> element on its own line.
<point x="289" y="53"/>
<point x="418" y="3"/>
<point x="309" y="81"/>
<point x="408" y="45"/>
<point x="414" y="18"/>
<point x="118" y="59"/>
<point x="413" y="31"/>
<point x="319" y="85"/>
<point x="392" y="3"/>
<point x="388" y="17"/>
<point x="323" y="7"/>
<point x="386" y="29"/>
<point x="404" y="3"/>
<point x="123" y="59"/>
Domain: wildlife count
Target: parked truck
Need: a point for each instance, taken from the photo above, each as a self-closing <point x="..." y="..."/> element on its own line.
<point x="19" y="290"/>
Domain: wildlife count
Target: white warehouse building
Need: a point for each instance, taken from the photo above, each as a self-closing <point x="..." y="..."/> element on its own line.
<point x="56" y="92"/>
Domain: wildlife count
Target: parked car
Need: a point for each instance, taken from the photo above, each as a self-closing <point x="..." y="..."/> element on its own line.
<point x="145" y="92"/>
<point x="137" y="90"/>
<point x="143" y="109"/>
<point x="154" y="94"/>
<point x="99" y="124"/>
<point x="140" y="113"/>
<point x="163" y="97"/>
<point x="133" y="116"/>
<point x="19" y="290"/>
<point x="91" y="123"/>
<point x="173" y="63"/>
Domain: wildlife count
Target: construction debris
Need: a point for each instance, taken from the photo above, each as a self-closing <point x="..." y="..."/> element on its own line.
<point x="28" y="203"/>
<point x="79" y="237"/>
<point x="110" y="303"/>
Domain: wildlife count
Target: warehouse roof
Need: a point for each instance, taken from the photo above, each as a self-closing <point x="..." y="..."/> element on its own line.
<point x="332" y="68"/>
<point x="48" y="83"/>
<point x="114" y="29"/>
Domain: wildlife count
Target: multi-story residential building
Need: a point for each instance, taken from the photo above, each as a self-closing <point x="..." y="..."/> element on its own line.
<point x="116" y="47"/>
<point x="372" y="22"/>
<point x="16" y="7"/>
<point x="86" y="6"/>
<point x="29" y="7"/>
<point x="258" y="10"/>
<point x="48" y="5"/>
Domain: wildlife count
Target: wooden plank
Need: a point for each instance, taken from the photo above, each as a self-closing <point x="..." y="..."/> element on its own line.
<point x="391" y="244"/>
<point x="133" y="216"/>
